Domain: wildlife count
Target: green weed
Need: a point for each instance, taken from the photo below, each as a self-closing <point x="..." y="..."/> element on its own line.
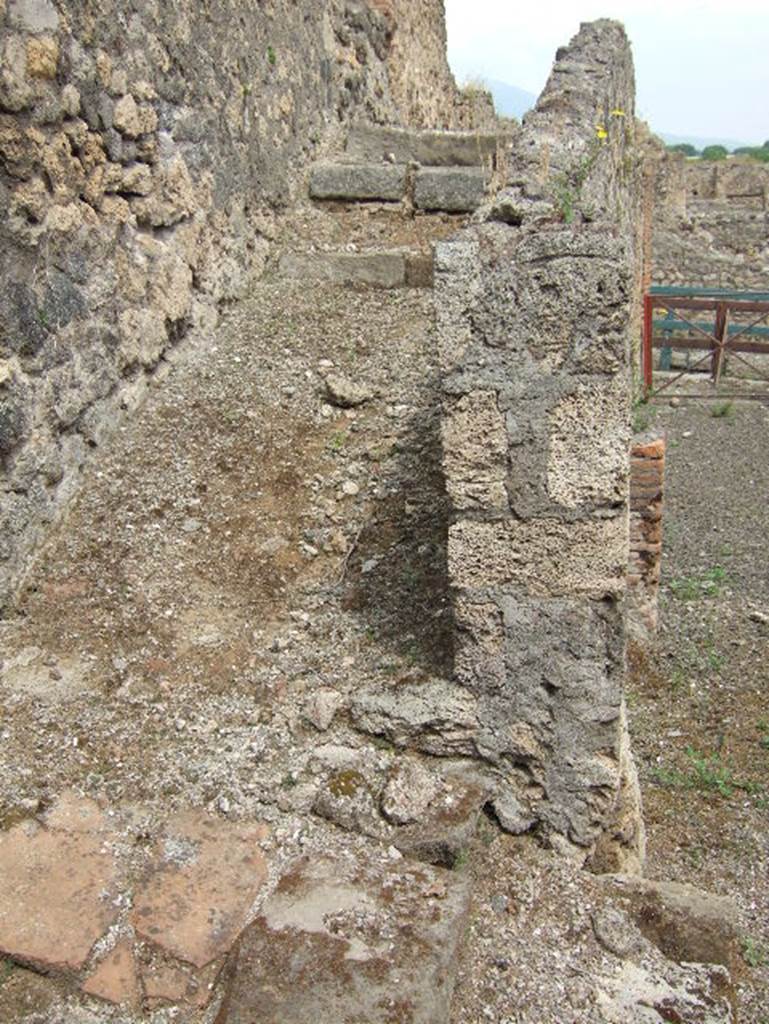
<point x="567" y="187"/>
<point x="710" y="773"/>
<point x="696" y="856"/>
<point x="714" y="658"/>
<point x="753" y="953"/>
<point x="643" y="415"/>
<point x="679" y="679"/>
<point x="722" y="410"/>
<point x="271" y="58"/>
<point x="707" y="773"/>
<point x="461" y="859"/>
<point x="6" y="970"/>
<point x="691" y="588"/>
<point x="670" y="778"/>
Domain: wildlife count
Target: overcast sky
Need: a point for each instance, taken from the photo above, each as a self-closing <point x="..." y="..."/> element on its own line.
<point x="702" y="68"/>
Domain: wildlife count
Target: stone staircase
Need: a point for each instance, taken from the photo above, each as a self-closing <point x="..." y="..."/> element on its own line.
<point x="437" y="177"/>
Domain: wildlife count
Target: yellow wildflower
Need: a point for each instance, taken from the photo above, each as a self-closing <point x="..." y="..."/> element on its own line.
<point x="601" y="132"/>
<point x="618" y="113"/>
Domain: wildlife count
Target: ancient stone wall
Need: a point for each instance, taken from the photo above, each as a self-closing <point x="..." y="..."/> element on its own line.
<point x="145" y="149"/>
<point x="711" y="223"/>
<point x="420" y="78"/>
<point x="535" y="312"/>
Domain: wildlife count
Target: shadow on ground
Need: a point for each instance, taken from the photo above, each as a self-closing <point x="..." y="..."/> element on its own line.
<point x="397" y="574"/>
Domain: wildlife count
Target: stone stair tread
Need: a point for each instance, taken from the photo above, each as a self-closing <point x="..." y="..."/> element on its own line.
<point x="371" y="181"/>
<point x="452" y="189"/>
<point x="377" y="268"/>
<point x="429" y="147"/>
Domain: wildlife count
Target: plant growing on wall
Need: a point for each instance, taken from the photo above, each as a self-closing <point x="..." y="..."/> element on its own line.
<point x="567" y="187"/>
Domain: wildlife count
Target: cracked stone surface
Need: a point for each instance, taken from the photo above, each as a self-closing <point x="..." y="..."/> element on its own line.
<point x="360" y="938"/>
<point x="116" y="979"/>
<point x="56" y="897"/>
<point x="204" y="879"/>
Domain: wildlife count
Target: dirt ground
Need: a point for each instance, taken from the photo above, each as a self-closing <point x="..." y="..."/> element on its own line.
<point x="699" y="704"/>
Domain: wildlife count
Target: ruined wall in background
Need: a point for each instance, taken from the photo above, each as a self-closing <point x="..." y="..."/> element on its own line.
<point x="535" y="311"/>
<point x="711" y="223"/>
<point x="145" y="149"/>
<point x="421" y="81"/>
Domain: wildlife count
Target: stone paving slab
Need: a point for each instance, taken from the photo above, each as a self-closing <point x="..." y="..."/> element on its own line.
<point x="116" y="978"/>
<point x="369" y="939"/>
<point x="371" y="270"/>
<point x="431" y="148"/>
<point x="204" y="879"/>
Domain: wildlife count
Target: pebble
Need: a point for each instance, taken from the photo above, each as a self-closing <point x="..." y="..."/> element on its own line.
<point x="346" y="393"/>
<point x="686" y="433"/>
<point x="350" y="488"/>
<point x="499" y="903"/>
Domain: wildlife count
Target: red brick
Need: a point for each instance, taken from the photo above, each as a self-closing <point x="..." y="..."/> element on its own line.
<point x="649" y="449"/>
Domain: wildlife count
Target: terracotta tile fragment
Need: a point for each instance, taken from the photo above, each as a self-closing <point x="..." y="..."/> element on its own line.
<point x="169" y="983"/>
<point x="204" y="879"/>
<point x="55" y="897"/>
<point x="115" y="979"/>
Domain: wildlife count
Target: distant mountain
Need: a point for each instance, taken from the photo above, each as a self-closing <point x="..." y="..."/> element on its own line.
<point x="699" y="142"/>
<point x="509" y="100"/>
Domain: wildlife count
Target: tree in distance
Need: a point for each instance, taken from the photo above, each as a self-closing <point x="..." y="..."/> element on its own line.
<point x="684" y="147"/>
<point x="715" y="153"/>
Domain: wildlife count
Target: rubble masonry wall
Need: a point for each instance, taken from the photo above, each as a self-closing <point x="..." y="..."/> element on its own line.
<point x="145" y="150"/>
<point x="535" y="308"/>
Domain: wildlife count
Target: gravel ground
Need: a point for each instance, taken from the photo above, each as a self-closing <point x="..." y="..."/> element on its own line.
<point x="700" y="701"/>
<point x="242" y="544"/>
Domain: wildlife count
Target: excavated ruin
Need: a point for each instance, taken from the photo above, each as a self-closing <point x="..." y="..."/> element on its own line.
<point x="315" y="391"/>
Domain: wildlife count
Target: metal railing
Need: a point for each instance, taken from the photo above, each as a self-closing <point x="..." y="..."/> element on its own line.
<point x="734" y="330"/>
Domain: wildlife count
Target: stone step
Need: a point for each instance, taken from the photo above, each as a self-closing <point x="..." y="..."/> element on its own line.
<point x="450" y="189"/>
<point x="385" y="182"/>
<point x="374" y="144"/>
<point x="396" y="268"/>
<point x="371" y="937"/>
<point x="454" y="189"/>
